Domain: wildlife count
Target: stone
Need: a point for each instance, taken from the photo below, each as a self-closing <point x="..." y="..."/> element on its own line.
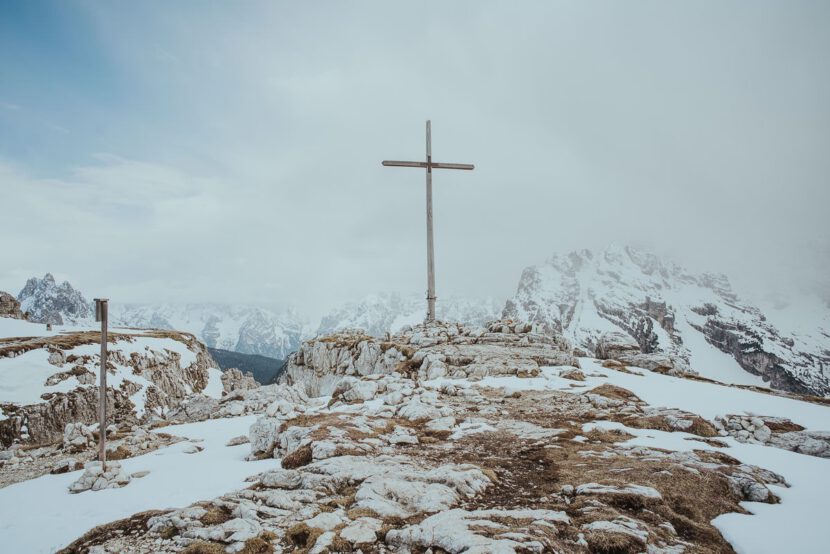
<point x="95" y="478"/>
<point x="282" y="479"/>
<point x="362" y="531"/>
<point x="65" y="466"/>
<point x="10" y="307"/>
<point x="762" y="433"/>
<point x="236" y="441"/>
<point x="240" y="530"/>
<point x="233" y="379"/>
<point x="263" y="435"/>
<point x="325" y="521"/>
<point x="77" y="437"/>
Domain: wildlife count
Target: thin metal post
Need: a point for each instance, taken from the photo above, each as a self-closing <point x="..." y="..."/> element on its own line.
<point x="102" y="316"/>
<point x="430" y="247"/>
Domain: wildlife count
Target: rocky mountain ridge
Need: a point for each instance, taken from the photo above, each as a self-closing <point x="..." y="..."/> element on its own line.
<point x="269" y="332"/>
<point x="45" y="301"/>
<point x="683" y="320"/>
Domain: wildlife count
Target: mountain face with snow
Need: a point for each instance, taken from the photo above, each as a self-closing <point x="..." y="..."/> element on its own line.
<point x="696" y="320"/>
<point x="45" y="301"/>
<point x="245" y="329"/>
<point x="50" y="378"/>
<point x="378" y="314"/>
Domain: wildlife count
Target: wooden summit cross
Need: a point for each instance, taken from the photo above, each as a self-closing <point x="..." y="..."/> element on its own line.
<point x="429" y="165"/>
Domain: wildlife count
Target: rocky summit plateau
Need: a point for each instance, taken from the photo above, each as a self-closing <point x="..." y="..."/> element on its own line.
<point x="442" y="437"/>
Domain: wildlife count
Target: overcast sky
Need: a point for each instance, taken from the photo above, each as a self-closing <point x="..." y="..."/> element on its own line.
<point x="162" y="151"/>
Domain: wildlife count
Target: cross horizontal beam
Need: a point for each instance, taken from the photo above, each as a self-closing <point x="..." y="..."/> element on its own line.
<point x="425" y="165"/>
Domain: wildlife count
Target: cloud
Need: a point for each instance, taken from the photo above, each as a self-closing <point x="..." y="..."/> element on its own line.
<point x="244" y="164"/>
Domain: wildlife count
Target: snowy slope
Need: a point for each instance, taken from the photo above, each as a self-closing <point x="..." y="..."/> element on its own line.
<point x="697" y="319"/>
<point x="802" y="504"/>
<point x="389" y="312"/>
<point x="28" y="524"/>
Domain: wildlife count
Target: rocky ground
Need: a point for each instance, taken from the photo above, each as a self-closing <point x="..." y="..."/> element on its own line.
<point x="409" y="445"/>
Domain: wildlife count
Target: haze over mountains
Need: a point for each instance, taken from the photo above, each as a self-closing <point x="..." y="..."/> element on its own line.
<point x="636" y="301"/>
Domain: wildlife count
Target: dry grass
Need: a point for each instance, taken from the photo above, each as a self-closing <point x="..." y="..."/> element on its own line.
<point x="530" y="474"/>
<point x="215" y="515"/>
<point x="134" y="525"/>
<point x="120" y="453"/>
<point x="615" y="393"/>
<point x="699" y="427"/>
<point x="608" y="435"/>
<point x="68" y="341"/>
<point x="783" y="426"/>
<point x="303" y="536"/>
<point x="204" y="547"/>
<point x="257" y="545"/>
<point x="300" y="457"/>
<point x="355" y="513"/>
<point x="602" y="542"/>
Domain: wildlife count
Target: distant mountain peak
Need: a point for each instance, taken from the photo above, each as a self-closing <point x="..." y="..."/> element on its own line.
<point x="696" y="320"/>
<point x="46" y="302"/>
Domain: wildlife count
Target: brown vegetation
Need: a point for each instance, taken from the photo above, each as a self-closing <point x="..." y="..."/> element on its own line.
<point x="297" y="458"/>
<point x="204" y="547"/>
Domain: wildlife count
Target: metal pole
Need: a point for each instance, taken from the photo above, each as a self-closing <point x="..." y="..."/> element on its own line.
<point x="101" y="315"/>
<point x="430" y="251"/>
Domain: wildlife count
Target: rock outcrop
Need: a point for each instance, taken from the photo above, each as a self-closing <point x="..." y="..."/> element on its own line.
<point x="150" y="375"/>
<point x="10" y="307"/>
<point x="233" y="379"/>
<point x="428" y="351"/>
<point x="777" y="432"/>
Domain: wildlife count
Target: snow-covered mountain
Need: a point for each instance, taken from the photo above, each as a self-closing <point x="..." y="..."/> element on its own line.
<point x="245" y="329"/>
<point x="696" y="319"/>
<point x="389" y="312"/>
<point x="45" y="301"/>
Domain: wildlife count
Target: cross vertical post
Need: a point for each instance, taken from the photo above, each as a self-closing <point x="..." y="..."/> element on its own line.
<point x="429" y="165"/>
<point x="102" y="316"/>
<point x="430" y="243"/>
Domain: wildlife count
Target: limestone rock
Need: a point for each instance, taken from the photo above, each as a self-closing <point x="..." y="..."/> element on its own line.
<point x="233" y="379"/>
<point x="95" y="478"/>
<point x="10" y="307"/>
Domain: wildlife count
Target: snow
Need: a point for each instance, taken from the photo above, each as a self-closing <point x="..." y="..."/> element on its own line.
<point x="591" y="293"/>
<point x="266" y="331"/>
<point x="797" y="524"/>
<point x="710" y="362"/>
<point x="22" y="378"/>
<point x="31" y="523"/>
<point x="214" y="388"/>
<point x="802" y="507"/>
<point x="20" y="328"/>
<point x="706" y="399"/>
